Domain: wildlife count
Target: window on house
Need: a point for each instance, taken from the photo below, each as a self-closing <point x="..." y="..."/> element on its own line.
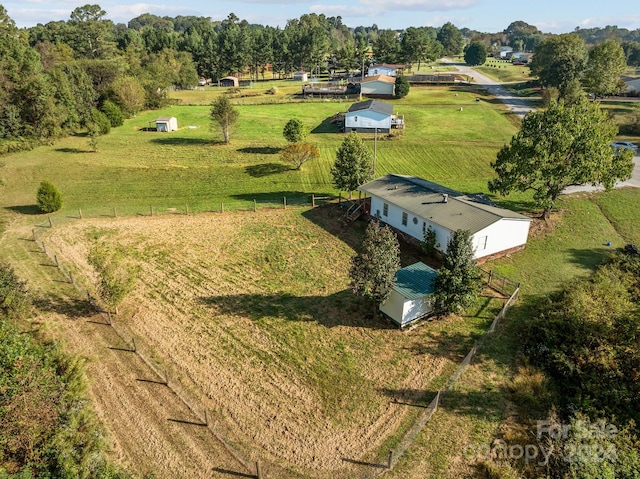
<point x="405" y="218"/>
<point x="385" y="209"/>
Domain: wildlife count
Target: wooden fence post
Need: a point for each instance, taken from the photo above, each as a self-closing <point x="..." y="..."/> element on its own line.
<point x="70" y="277"/>
<point x="166" y="377"/>
<point x="206" y="417"/>
<point x="254" y="206"/>
<point x="313" y="200"/>
<point x="150" y="210"/>
<point x="33" y="231"/>
<point x="222" y="207"/>
<point x="133" y="340"/>
<point x="390" y="460"/>
<point x="50" y="224"/>
<point x="186" y="209"/>
<point x="55" y="258"/>
<point x="437" y="400"/>
<point x="109" y="317"/>
<point x="115" y="213"/>
<point x="80" y="213"/>
<point x="258" y="470"/>
<point x="284" y="201"/>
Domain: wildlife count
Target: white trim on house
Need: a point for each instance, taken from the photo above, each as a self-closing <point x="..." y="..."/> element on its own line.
<point x="424" y="204"/>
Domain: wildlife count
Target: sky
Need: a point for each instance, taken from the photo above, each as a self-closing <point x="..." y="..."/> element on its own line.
<point x="550" y="16"/>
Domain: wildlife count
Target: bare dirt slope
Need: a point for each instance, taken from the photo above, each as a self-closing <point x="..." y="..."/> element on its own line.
<point x="252" y="315"/>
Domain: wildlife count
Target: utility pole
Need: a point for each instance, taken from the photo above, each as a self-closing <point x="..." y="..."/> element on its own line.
<point x="375" y="150"/>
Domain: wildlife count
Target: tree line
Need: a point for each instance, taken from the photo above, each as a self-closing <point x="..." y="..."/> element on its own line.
<point x="88" y="73"/>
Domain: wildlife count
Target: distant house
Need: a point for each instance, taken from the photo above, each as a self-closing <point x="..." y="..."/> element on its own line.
<point x="384" y="69"/>
<point x="380" y="86"/>
<point x="369" y="116"/>
<point x="166" y="123"/>
<point x="411" y="296"/>
<point x="300" y="76"/>
<point x="505" y="51"/>
<point x="411" y="205"/>
<point x="228" y="82"/>
<point x="632" y="86"/>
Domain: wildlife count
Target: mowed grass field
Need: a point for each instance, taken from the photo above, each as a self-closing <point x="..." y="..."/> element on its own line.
<point x="255" y="308"/>
<point x="133" y="169"/>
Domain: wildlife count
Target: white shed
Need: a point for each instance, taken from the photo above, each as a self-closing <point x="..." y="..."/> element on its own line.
<point x="378" y="86"/>
<point x="369" y="116"/>
<point x="412" y="295"/>
<point x="166" y="123"/>
<point x="300" y="76"/>
<point x="411" y="205"/>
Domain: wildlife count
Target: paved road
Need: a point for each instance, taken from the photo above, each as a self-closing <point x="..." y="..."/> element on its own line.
<point x="517" y="105"/>
<point x="520" y="107"/>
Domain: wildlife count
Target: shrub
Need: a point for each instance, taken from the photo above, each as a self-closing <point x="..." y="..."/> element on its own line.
<point x="48" y="197"/>
<point x="402" y="87"/>
<point x="113" y="113"/>
<point x="99" y="123"/>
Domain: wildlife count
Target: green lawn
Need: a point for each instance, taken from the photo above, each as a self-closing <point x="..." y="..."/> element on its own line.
<point x="133" y="169"/>
<point x="505" y="71"/>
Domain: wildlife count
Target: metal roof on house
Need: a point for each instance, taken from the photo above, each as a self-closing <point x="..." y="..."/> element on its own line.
<point x="394" y="66"/>
<point x="438" y="204"/>
<point x="372" y="105"/>
<point x="415" y="281"/>
<point x="382" y="78"/>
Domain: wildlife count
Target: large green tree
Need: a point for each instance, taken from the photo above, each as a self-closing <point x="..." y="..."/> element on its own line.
<point x="90" y="34"/>
<point x="295" y="131"/>
<point x="374" y="268"/>
<point x="607" y="63"/>
<point x="475" y="53"/>
<point x="457" y="284"/>
<point x="224" y="114"/>
<point x="353" y="165"/>
<point x="451" y="39"/>
<point x="560" y="59"/>
<point x="562" y="146"/>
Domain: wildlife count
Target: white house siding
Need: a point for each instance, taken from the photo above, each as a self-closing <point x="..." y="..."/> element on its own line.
<point x="415" y="309"/>
<point x="376" y="87"/>
<point x="412" y="228"/>
<point x="393" y="307"/>
<point x="502" y="235"/>
<point x="367" y="119"/>
<point x="403" y="311"/>
<point x="374" y="71"/>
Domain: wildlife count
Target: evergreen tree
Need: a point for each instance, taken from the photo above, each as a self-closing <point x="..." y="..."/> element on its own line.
<point x="353" y="165"/>
<point x="373" y="269"/>
<point x="458" y="282"/>
<point x="49" y="199"/>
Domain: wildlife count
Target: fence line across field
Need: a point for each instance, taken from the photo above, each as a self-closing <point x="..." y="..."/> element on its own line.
<point x="493" y="280"/>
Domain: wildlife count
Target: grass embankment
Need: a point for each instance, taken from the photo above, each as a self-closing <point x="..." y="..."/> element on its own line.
<point x="505" y="71"/>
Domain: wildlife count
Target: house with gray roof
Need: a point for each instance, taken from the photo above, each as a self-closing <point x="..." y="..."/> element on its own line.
<point x="411" y="205"/>
<point x="368" y="116"/>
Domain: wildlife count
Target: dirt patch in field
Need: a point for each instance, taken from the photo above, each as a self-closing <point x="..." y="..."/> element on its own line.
<point x="252" y="313"/>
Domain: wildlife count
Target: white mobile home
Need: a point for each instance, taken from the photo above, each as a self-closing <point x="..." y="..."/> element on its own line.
<point x="369" y="116"/>
<point x="411" y="205"/>
<point x="381" y="86"/>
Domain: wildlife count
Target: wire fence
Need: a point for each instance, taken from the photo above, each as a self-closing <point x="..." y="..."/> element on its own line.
<point x="188" y="392"/>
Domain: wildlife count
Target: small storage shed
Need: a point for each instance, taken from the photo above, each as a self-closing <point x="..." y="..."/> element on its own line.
<point x="229" y="82"/>
<point x="412" y="295"/>
<point x="300" y="76"/>
<point x="166" y="123"/>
